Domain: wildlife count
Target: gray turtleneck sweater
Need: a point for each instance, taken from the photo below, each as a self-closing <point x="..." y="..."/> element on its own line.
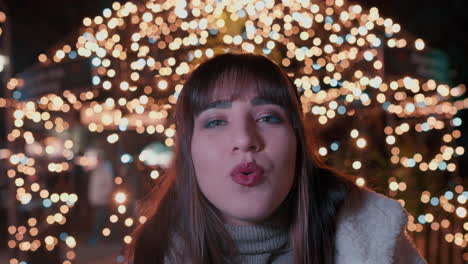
<point x="262" y="244"/>
<point x="371" y="233"/>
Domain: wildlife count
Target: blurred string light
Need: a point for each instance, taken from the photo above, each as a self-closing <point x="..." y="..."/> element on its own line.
<point x="22" y="172"/>
<point x="333" y="50"/>
<point x="4" y="60"/>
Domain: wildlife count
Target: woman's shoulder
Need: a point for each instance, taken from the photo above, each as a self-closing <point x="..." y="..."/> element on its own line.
<point x="374" y="212"/>
<point x="372" y="207"/>
<point x="368" y="227"/>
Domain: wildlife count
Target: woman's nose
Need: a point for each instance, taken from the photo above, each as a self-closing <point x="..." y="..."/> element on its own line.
<point x="246" y="137"/>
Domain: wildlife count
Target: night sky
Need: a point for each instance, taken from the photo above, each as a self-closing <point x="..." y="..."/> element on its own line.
<point x="37" y="26"/>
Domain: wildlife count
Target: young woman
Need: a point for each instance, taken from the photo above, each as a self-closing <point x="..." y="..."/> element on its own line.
<point x="245" y="186"/>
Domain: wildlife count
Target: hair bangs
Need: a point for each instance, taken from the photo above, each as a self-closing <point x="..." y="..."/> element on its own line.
<point x="238" y="80"/>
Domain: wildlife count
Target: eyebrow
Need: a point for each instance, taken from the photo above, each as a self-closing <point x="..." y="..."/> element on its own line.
<point x="223" y="104"/>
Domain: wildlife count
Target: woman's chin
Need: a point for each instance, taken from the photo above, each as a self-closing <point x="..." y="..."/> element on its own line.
<point x="247" y="216"/>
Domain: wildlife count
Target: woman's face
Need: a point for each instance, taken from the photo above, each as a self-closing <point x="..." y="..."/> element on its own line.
<point x="229" y="133"/>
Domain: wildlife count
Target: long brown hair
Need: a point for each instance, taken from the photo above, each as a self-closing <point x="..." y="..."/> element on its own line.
<point x="183" y="226"/>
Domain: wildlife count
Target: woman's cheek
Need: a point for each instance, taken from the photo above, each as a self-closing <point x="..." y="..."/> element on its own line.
<point x="211" y="144"/>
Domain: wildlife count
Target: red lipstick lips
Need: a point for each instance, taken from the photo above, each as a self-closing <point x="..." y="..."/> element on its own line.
<point x="247" y="174"/>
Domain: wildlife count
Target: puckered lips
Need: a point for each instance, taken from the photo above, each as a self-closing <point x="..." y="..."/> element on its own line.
<point x="247" y="174"/>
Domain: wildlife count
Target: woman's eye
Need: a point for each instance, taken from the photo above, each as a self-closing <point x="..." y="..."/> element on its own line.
<point x="271" y="119"/>
<point x="213" y="123"/>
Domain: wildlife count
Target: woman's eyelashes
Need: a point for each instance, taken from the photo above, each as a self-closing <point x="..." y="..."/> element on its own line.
<point x="270" y="119"/>
<point x="213" y="123"/>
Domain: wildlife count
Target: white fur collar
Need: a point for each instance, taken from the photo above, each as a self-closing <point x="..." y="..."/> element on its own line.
<point x="367" y="234"/>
